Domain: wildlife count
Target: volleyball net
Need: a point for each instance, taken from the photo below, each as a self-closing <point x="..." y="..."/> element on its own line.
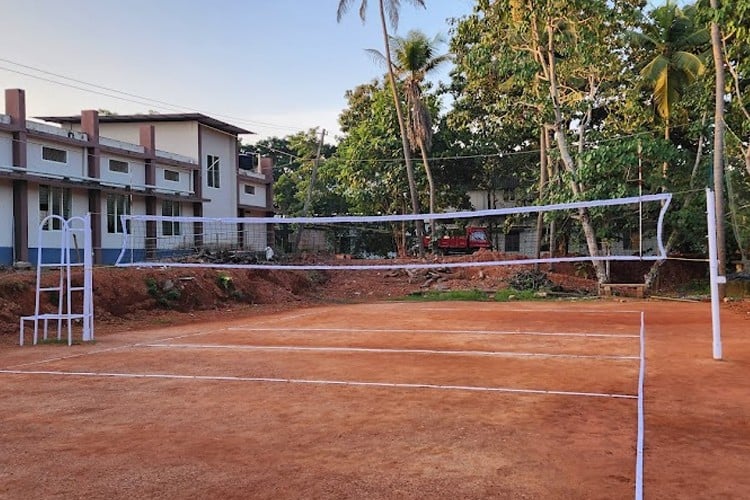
<point x="621" y="229"/>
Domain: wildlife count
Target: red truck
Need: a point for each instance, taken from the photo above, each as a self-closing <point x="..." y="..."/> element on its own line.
<point x="472" y="240"/>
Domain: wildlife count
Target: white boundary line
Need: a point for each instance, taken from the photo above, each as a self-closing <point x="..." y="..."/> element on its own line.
<point x="169" y="376"/>
<point x="109" y="349"/>
<point x="641" y="418"/>
<point x="514" y="310"/>
<point x="464" y="332"/>
<point x="506" y="354"/>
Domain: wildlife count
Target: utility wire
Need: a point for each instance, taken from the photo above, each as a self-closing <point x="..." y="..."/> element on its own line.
<point x="133" y="98"/>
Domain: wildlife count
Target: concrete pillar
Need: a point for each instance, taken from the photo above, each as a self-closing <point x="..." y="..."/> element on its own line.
<point x="15" y="107"/>
<point x="90" y="126"/>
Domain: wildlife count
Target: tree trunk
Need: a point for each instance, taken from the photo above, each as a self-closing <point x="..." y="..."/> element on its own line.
<point x="431" y="185"/>
<point x="402" y="130"/>
<point x="428" y="173"/>
<point x="568" y="162"/>
<point x="721" y="246"/>
<point x="542" y="186"/>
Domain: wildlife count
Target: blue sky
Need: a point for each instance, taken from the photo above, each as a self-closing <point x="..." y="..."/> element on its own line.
<point x="273" y="66"/>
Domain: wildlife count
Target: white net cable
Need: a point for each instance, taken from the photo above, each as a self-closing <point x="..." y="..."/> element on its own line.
<point x="383" y="241"/>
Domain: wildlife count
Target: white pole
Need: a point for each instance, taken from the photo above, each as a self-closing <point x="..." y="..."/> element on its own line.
<point x="713" y="268"/>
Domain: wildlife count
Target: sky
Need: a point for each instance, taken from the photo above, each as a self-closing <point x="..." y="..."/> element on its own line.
<point x="275" y="67"/>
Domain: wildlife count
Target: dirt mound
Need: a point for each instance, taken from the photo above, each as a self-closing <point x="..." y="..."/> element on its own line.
<point x="127" y="297"/>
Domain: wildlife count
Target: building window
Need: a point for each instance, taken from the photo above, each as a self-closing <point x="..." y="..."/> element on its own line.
<point x="212" y="171"/>
<point x="171" y="175"/>
<point x="117" y="205"/>
<point x="170" y="208"/>
<point x="121" y="167"/>
<point x="249" y="189"/>
<point x="54" y="154"/>
<point x="513" y="241"/>
<point x="53" y="201"/>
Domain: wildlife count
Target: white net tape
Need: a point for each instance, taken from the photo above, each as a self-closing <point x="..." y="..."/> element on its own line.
<point x="374" y="242"/>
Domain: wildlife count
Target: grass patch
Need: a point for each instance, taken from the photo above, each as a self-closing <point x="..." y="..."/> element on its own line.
<point x="695" y="287"/>
<point x="508" y="294"/>
<point x="63" y="341"/>
<point x="466" y="295"/>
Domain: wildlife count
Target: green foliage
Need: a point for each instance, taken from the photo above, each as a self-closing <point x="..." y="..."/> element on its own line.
<point x="294" y="157"/>
<point x="671" y="41"/>
<point x="510" y="294"/>
<point x="530" y="281"/>
<point x="371" y="173"/>
<point x="456" y="295"/>
<point x="225" y="282"/>
<point x="165" y="294"/>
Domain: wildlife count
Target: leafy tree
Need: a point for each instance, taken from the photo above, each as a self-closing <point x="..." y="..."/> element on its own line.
<point x="415" y="58"/>
<point x="391" y="8"/>
<point x="367" y="164"/>
<point x="293" y="157"/>
<point x="670" y="39"/>
<point x="549" y="63"/>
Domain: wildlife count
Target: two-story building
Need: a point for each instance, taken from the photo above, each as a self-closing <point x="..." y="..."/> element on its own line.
<point x="108" y="165"/>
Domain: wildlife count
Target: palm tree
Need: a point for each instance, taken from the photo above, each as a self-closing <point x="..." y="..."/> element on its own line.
<point x="391" y="7"/>
<point x="415" y="57"/>
<point x="719" y="82"/>
<point x="670" y="37"/>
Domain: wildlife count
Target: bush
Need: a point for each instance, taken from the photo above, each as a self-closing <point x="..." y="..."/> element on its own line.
<point x="530" y="280"/>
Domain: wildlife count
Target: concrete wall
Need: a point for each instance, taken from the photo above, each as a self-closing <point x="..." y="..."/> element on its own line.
<point x="184" y="184"/>
<point x="136" y="175"/>
<point x="258" y="199"/>
<point x="6" y="203"/>
<point x="6" y="152"/>
<point x="176" y="137"/>
<point x="75" y="166"/>
<point x="223" y="200"/>
<point x="51" y="239"/>
<point x="6" y="222"/>
<point x="112" y="242"/>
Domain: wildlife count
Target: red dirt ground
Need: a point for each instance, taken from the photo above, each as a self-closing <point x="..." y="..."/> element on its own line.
<point x="219" y="432"/>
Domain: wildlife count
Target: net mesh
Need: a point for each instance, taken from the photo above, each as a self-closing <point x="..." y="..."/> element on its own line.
<point x="627" y="229"/>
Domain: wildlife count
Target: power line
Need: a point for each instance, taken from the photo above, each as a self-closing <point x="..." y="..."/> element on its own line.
<point x="129" y="97"/>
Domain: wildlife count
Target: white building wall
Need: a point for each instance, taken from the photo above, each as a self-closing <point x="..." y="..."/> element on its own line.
<point x="6" y="214"/>
<point x="255" y="237"/>
<point x="224" y="198"/>
<point x="6" y="199"/>
<point x="184" y="184"/>
<point x="183" y="240"/>
<point x="135" y="176"/>
<point x="74" y="167"/>
<point x="258" y="199"/>
<point x="6" y="150"/>
<point x="79" y="207"/>
<point x="175" y="137"/>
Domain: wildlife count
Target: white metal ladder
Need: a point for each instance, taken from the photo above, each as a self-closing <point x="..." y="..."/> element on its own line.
<point x="70" y="230"/>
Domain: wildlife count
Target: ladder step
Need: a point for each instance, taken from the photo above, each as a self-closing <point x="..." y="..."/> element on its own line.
<point x="50" y="289"/>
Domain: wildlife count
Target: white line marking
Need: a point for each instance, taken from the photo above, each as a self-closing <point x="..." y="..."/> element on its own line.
<point x="514" y="310"/>
<point x="99" y="351"/>
<point x="323" y="382"/>
<point x="470" y="332"/>
<point x="641" y="418"/>
<point x="507" y="354"/>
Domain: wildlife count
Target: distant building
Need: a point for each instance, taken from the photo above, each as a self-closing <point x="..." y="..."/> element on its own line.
<point x="108" y="165"/>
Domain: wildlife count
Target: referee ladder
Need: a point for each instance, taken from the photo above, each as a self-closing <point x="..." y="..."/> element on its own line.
<point x="73" y="232"/>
